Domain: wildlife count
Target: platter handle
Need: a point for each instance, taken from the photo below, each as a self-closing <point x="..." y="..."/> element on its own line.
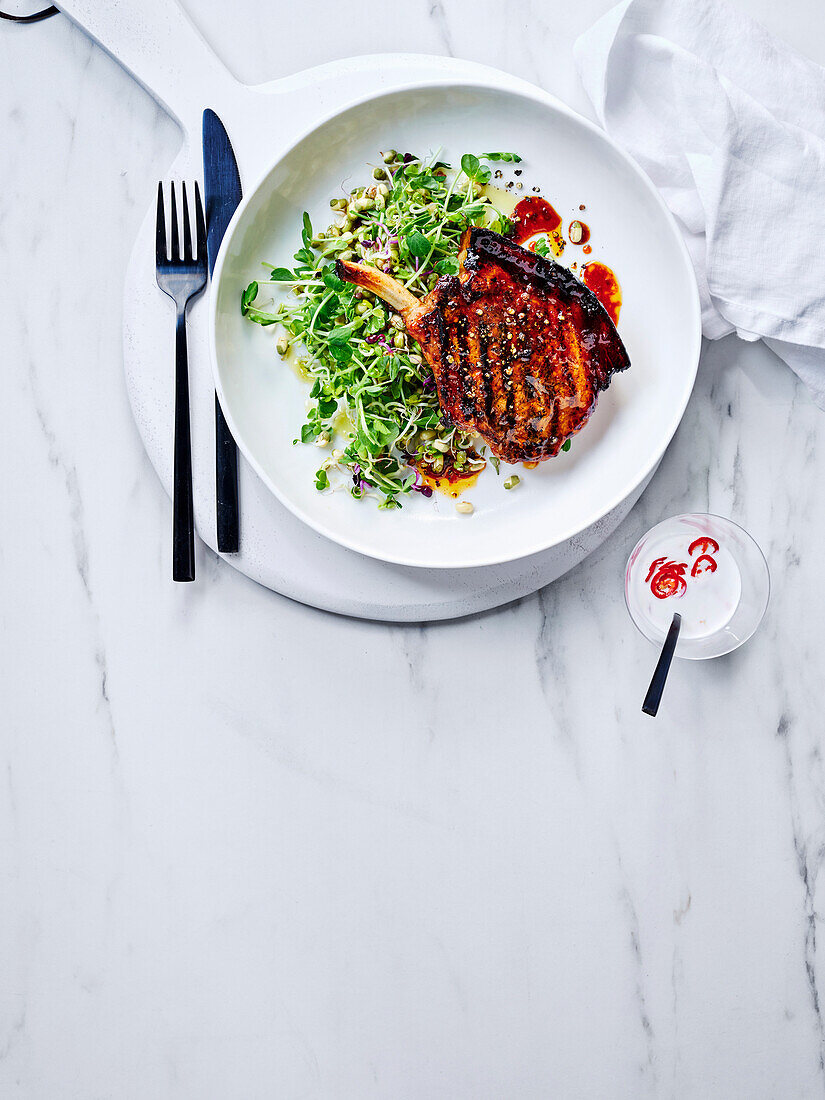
<point x="159" y="45"/>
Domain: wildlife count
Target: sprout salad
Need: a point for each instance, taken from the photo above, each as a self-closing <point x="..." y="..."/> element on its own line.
<point x="373" y="403"/>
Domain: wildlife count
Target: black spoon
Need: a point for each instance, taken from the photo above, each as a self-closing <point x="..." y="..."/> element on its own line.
<point x="657" y="684"/>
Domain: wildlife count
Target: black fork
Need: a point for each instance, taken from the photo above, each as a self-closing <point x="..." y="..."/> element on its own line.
<point x="182" y="276"/>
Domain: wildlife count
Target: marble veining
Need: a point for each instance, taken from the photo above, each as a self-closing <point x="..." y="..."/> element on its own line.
<point x="250" y="849"/>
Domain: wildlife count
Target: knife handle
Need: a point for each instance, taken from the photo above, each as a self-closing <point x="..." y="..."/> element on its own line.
<point x="226" y="485"/>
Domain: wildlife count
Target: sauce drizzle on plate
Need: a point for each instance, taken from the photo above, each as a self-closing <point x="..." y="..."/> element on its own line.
<point x="449" y="480"/>
<point x="602" y="281"/>
<point x="534" y="215"/>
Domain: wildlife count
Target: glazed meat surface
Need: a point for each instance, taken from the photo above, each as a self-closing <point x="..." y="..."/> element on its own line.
<point x="519" y="348"/>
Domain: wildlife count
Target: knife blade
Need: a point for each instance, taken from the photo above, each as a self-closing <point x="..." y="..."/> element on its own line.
<point x="222" y="185"/>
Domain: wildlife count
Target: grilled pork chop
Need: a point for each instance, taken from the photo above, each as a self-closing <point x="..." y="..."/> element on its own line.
<point x="519" y="348"/>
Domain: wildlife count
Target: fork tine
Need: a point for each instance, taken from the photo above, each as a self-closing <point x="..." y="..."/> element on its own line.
<point x="175" y="238"/>
<point x="200" y="225"/>
<point x="160" y="232"/>
<point x="187" y="232"/>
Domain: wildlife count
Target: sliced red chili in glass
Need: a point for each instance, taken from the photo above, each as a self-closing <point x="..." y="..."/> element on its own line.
<point x="669" y="580"/>
<point x="706" y="544"/>
<point x="654" y="565"/>
<point x="710" y="565"/>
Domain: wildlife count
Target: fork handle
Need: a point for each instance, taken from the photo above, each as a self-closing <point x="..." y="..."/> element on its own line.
<point x="183" y="518"/>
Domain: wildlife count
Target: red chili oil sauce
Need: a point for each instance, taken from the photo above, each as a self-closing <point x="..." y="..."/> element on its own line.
<point x="450" y="481"/>
<point x="604" y="284"/>
<point x="533" y="215"/>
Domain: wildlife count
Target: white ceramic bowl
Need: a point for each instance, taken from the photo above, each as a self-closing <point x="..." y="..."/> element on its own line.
<point x="573" y="163"/>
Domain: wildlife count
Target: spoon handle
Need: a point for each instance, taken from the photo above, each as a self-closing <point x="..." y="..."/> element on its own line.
<point x="657" y="684"/>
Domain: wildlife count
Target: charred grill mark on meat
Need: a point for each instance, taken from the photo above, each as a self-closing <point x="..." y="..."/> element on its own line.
<point x="464" y="365"/>
<point x="486" y="387"/>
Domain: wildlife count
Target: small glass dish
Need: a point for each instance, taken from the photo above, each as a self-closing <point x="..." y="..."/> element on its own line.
<point x="709" y="570"/>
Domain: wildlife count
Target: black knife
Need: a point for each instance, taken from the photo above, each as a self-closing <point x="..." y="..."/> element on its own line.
<point x="222" y="184"/>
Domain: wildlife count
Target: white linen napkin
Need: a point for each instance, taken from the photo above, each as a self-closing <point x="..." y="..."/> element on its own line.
<point x="729" y="124"/>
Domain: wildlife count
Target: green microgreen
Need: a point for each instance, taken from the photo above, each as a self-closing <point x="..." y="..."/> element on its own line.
<point x="418" y="244"/>
<point x="473" y="169"/>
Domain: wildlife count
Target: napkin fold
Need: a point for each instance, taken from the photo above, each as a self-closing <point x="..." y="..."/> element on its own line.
<point x="729" y="124"/>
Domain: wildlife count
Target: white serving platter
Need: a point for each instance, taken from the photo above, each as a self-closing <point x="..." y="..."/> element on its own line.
<point x="156" y="41"/>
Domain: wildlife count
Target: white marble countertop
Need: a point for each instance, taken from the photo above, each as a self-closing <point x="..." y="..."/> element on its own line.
<point x="250" y="849"/>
